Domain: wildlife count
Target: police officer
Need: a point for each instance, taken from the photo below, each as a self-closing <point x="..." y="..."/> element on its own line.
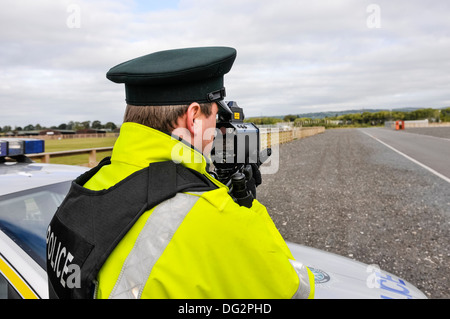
<point x="198" y="243"/>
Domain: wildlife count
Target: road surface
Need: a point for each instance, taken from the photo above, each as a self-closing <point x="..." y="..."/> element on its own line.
<point x="430" y="152"/>
<point x="345" y="192"/>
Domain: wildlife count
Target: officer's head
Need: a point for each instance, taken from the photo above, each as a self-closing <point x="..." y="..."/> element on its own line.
<point x="195" y="122"/>
<point x="177" y="91"/>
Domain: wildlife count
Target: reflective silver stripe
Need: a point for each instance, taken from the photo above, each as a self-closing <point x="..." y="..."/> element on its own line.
<point x="150" y="244"/>
<point x="304" y="288"/>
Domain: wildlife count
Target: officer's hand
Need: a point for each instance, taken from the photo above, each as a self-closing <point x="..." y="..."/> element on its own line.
<point x="253" y="177"/>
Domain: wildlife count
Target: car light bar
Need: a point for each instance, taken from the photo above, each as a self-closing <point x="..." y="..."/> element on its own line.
<point x="3" y="148"/>
<point x="16" y="146"/>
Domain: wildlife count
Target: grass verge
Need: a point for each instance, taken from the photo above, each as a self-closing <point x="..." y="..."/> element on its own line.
<point x="75" y="144"/>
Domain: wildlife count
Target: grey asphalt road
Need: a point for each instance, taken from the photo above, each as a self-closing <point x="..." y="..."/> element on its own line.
<point x="441" y="131"/>
<point x="431" y="151"/>
<point x="345" y="192"/>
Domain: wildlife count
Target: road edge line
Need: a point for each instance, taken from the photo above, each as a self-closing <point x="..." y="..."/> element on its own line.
<point x="445" y="178"/>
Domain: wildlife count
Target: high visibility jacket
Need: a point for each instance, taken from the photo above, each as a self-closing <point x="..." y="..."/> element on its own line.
<point x="194" y="245"/>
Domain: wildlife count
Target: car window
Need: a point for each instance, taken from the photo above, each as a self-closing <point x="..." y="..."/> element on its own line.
<point x="25" y="215"/>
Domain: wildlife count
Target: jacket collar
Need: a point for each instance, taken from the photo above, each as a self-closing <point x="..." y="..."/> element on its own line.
<point x="140" y="145"/>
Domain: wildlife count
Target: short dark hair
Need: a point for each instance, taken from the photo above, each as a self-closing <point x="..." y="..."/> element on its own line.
<point x="161" y="118"/>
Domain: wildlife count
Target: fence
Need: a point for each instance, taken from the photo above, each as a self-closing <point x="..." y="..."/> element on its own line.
<point x="269" y="136"/>
<point x="67" y="136"/>
<point x="91" y="152"/>
<point x="418" y="123"/>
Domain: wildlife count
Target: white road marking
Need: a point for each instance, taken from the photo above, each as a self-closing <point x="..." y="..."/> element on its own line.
<point x="445" y="178"/>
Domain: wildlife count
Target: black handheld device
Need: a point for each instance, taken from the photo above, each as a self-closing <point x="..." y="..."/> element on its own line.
<point x="236" y="149"/>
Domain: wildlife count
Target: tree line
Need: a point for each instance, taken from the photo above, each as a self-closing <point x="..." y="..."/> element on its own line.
<point x="379" y="118"/>
<point x="71" y="126"/>
<point x="360" y="118"/>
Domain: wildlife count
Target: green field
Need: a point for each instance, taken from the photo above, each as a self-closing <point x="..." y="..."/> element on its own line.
<point x="76" y="144"/>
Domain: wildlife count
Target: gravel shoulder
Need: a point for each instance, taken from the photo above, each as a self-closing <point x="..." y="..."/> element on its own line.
<point x="343" y="192"/>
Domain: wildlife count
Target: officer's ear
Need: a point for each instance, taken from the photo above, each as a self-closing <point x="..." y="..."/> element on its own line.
<point x="192" y="114"/>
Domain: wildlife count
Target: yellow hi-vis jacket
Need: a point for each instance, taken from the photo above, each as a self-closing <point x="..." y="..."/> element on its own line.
<point x="194" y="245"/>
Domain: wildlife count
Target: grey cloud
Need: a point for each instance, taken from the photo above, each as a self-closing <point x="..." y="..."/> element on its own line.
<point x="293" y="56"/>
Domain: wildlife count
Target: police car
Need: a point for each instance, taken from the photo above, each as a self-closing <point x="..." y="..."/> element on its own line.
<point x="29" y="195"/>
<point x="31" y="192"/>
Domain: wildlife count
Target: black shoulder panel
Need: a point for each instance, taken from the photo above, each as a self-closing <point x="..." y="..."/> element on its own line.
<point x="89" y="224"/>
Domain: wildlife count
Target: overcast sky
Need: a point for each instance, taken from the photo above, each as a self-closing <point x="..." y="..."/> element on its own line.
<point x="293" y="56"/>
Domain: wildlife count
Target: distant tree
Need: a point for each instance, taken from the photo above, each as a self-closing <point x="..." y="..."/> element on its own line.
<point x="70" y="125"/>
<point x="29" y="127"/>
<point x="356" y="118"/>
<point x="383" y="116"/>
<point x="77" y="126"/>
<point x="396" y="115"/>
<point x="366" y="117"/>
<point x="62" y="126"/>
<point x="445" y="115"/>
<point x="86" y="124"/>
<point x="96" y="124"/>
<point x="110" y="125"/>
<point x="290" y="118"/>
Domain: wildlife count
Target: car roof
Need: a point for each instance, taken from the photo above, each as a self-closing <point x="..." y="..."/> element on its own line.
<point x="16" y="176"/>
